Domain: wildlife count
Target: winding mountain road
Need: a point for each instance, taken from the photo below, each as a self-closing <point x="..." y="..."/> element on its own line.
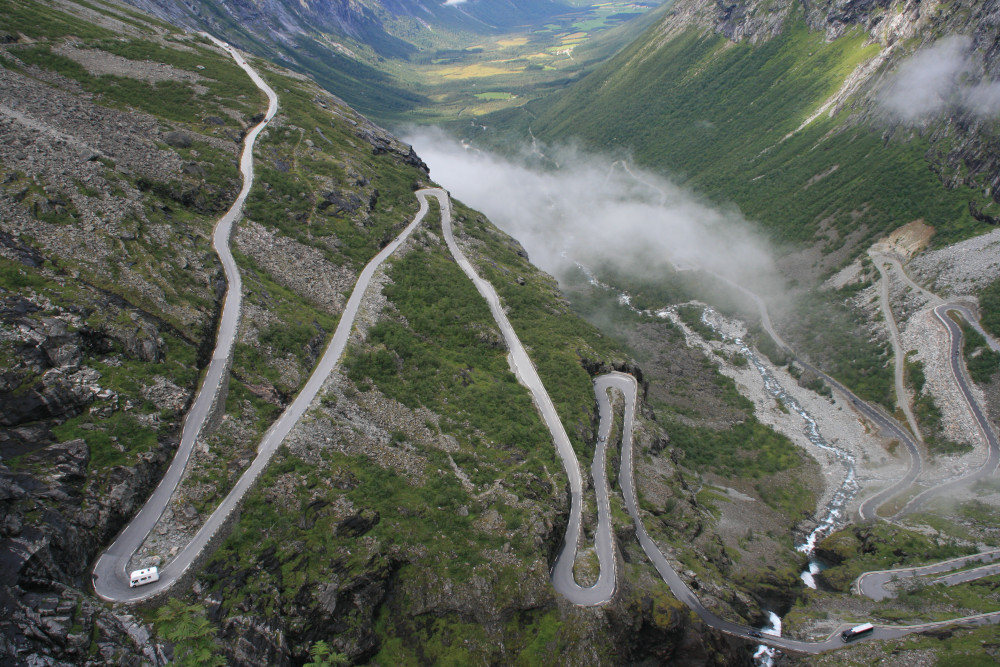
<point x="868" y="509"/>
<point x="992" y="459"/>
<point x="110" y="578"/>
<point x="562" y="572"/>
<point x="628" y="386"/>
<point x="887" y="424"/>
<point x="902" y="397"/>
<point x="941" y="311"/>
<point x="872" y="584"/>
<point x="110" y="575"/>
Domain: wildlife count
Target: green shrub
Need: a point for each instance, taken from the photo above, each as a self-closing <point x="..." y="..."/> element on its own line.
<point x="983" y="363"/>
<point x="747" y="450"/>
<point x="989" y="307"/>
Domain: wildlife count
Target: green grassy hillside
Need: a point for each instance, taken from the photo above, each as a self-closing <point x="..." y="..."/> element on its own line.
<point x="724" y="118"/>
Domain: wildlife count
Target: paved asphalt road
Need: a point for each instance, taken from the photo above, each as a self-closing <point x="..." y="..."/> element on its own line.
<point x="957" y="362"/>
<point x="562" y="572"/>
<point x="902" y="399"/>
<point x="110" y="578"/>
<point x="887" y="424"/>
<point x="941" y="309"/>
<point x="629" y="388"/>
<point x="869" y="508"/>
<point x="872" y="584"/>
<point x="968" y="575"/>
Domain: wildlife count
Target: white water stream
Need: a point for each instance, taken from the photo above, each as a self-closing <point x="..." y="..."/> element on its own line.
<point x="834" y="512"/>
<point x="765" y="654"/>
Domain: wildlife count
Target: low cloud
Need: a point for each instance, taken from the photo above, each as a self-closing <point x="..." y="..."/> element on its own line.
<point x="594" y="210"/>
<point x="938" y="78"/>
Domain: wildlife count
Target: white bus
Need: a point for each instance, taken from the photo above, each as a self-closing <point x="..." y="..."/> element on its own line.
<point x="146" y="575"/>
<point x="857" y="631"/>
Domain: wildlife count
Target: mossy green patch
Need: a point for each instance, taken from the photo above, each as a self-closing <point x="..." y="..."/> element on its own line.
<point x="41" y="21"/>
<point x="558" y="342"/>
<point x="989" y="307"/>
<point x="747" y="450"/>
<point x="879" y="546"/>
<point x="983" y="363"/>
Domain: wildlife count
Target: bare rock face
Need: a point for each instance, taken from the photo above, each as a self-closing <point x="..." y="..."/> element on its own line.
<point x="165" y="395"/>
<point x="56" y="511"/>
<point x="59" y="627"/>
<point x="44" y="565"/>
<point x="251" y="640"/>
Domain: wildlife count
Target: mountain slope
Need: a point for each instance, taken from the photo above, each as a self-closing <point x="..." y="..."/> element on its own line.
<point x="343" y="43"/>
<point x="790" y="111"/>
<point x="418" y="503"/>
<point x="785" y="120"/>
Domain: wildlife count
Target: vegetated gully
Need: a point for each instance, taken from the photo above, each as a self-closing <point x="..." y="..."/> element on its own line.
<point x="835" y="510"/>
<point x="834" y="514"/>
<point x="869" y="508"/>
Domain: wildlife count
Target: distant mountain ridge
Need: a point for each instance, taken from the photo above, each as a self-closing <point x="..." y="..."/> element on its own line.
<point x="341" y="42"/>
<point x="375" y="23"/>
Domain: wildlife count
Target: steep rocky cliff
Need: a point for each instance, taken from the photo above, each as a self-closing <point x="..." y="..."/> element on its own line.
<point x="964" y="138"/>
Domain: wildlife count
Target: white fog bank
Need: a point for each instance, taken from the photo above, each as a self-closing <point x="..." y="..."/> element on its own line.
<point x="592" y="210"/>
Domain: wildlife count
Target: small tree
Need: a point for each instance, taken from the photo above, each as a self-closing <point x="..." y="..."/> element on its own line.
<point x="323" y="655"/>
<point x="191" y="633"/>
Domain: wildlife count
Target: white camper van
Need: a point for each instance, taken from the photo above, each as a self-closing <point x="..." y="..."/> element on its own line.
<point x="146" y="575"/>
<point x="857" y="631"/>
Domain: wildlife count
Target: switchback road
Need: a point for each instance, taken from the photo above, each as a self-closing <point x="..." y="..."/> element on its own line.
<point x="562" y="573"/>
<point x="872" y="584"/>
<point x="902" y="398"/>
<point x="628" y="386"/>
<point x="110" y="578"/>
<point x="888" y="425"/>
<point x="956" y="362"/>
<point x="942" y="312"/>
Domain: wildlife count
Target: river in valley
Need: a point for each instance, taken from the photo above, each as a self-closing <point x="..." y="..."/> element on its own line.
<point x="834" y="513"/>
